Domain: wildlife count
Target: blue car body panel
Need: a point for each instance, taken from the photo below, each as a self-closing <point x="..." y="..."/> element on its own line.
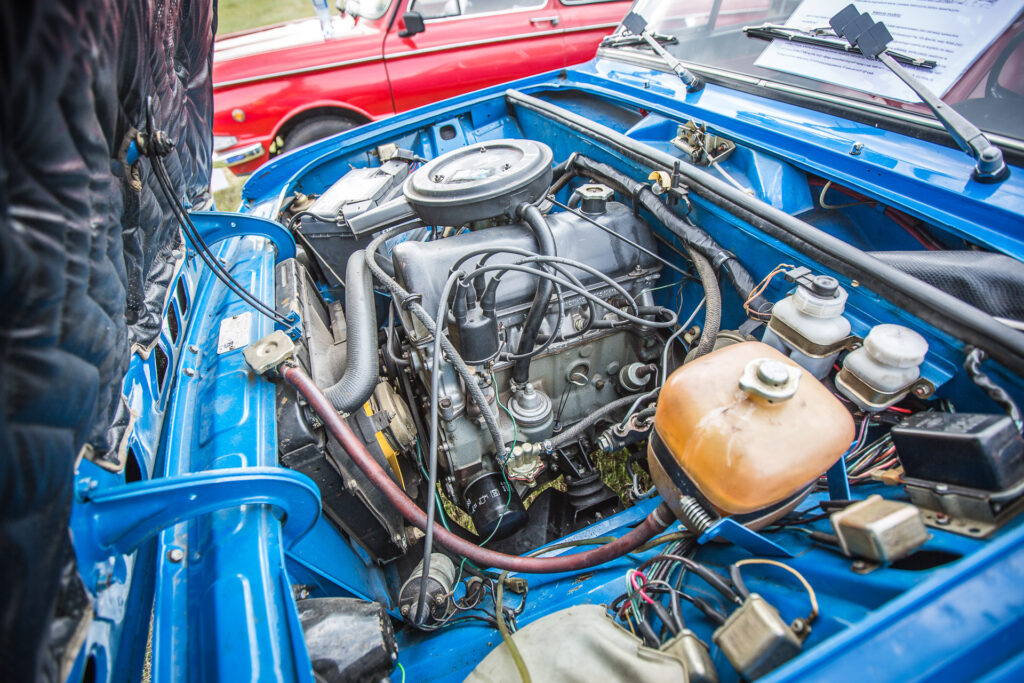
<point x="226" y="610"/>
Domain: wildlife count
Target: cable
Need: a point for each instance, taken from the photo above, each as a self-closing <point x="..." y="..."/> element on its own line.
<point x="579" y="290"/>
<point x="638" y="247"/>
<point x="682" y="328"/>
<point x="972" y="364"/>
<point x="573" y="432"/>
<point x="656" y="522"/>
<point x="800" y="577"/>
<point x="412" y="304"/>
<point x="203" y="250"/>
<point x="513" y="649"/>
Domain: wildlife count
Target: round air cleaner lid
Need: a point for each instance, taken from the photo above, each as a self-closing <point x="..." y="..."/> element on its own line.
<point x="481" y="181"/>
<point x="484" y="180"/>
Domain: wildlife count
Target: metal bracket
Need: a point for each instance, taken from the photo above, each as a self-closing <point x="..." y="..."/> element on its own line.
<point x="119" y="519"/>
<point x="838" y="481"/>
<point x="737" y="534"/>
<point x="215" y="226"/>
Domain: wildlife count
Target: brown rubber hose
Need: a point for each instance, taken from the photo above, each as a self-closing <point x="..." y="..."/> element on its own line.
<point x="655" y="523"/>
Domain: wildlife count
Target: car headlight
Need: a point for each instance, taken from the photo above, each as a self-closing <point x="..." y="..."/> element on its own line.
<point x="221" y="142"/>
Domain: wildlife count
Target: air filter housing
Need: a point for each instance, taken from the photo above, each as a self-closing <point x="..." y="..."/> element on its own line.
<point x="481" y="181"/>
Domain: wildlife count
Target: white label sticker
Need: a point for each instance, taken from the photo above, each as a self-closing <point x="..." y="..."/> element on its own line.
<point x="235" y="332"/>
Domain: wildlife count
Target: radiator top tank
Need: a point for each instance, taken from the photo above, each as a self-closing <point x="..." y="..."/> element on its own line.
<point x="744" y="429"/>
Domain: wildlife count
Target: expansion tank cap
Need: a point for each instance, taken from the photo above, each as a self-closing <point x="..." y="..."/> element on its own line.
<point x="770" y="379"/>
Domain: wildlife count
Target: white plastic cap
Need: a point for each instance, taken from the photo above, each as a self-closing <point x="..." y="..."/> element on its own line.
<point x="896" y="346"/>
<point x="811" y="304"/>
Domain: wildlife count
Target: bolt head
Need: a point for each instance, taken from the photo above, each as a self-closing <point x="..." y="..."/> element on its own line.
<point x="175" y="555"/>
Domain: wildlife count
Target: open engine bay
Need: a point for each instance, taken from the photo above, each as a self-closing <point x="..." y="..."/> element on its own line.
<point x="514" y="307"/>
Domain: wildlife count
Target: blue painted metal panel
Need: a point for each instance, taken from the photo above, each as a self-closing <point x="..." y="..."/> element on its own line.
<point x="225" y="612"/>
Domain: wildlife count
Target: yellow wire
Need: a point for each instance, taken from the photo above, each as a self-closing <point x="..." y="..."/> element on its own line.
<point x="798" y="575"/>
<point x="629" y="622"/>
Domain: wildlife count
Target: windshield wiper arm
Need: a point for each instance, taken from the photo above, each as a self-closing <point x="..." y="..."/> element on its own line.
<point x="871" y="38"/>
<point x="629" y="39"/>
<point x="817" y="39"/>
<point x="637" y="25"/>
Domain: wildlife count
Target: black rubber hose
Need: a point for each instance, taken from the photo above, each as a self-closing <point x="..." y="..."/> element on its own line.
<point x="360" y="377"/>
<point x="712" y="303"/>
<point x="692" y="236"/>
<point x="532" y="216"/>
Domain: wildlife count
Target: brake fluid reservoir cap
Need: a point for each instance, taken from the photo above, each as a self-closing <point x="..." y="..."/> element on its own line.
<point x="896" y="346"/>
<point x="823" y="299"/>
<point x="770" y="379"/>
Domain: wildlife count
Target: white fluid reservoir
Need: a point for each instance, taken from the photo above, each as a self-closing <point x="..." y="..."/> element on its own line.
<point x="808" y="325"/>
<point x="882" y="371"/>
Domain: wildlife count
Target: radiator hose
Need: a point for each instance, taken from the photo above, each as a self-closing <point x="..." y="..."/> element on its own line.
<point x="656" y="522"/>
<point x="360" y="376"/>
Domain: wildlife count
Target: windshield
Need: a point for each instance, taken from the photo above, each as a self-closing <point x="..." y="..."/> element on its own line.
<point x="367" y="9"/>
<point x="975" y="50"/>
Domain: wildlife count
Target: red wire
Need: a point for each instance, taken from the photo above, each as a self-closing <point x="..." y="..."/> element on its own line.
<point x="897" y="217"/>
<point x="638" y="588"/>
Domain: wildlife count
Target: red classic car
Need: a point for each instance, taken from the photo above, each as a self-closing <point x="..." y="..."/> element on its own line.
<point x="284" y="86"/>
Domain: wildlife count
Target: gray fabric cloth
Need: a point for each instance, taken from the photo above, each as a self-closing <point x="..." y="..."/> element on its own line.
<point x="580" y="644"/>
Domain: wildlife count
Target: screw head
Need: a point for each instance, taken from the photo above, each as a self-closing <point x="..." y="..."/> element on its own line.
<point x="942" y="518"/>
<point x="446" y="402"/>
<point x="189" y="372"/>
<point x="175" y="555"/>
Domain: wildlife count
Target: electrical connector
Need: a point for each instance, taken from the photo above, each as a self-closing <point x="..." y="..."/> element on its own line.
<point x="755" y="639"/>
<point x="880" y="530"/>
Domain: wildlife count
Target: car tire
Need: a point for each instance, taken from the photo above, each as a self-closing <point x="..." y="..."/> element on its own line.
<point x="315" y="129"/>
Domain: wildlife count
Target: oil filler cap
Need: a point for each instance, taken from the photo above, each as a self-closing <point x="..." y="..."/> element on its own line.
<point x="770" y="379"/>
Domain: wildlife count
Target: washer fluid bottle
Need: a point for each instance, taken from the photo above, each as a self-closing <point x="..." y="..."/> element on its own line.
<point x="744" y="429"/>
<point x="808" y="325"/>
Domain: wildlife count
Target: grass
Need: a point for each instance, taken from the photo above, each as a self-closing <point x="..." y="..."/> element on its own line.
<point x="230" y="197"/>
<point x="239" y="15"/>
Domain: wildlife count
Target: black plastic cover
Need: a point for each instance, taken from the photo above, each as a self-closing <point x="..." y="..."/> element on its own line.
<point x="87" y="247"/>
<point x="348" y="639"/>
<point x="963" y="449"/>
<point x="990" y="282"/>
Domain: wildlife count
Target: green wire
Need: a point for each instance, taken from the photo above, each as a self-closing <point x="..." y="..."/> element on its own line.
<point x="402" y="669"/>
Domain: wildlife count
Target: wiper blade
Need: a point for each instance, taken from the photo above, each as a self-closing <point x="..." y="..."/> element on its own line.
<point x="871" y="39"/>
<point x="816" y="38"/>
<point x="629" y="40"/>
<point x="637" y="25"/>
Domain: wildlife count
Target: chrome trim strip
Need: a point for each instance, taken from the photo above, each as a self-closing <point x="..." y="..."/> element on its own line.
<point x="240" y="155"/>
<point x="297" y="72"/>
<point x="472" y="43"/>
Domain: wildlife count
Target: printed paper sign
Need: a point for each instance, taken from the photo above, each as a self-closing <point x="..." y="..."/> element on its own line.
<point x="953" y="33"/>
